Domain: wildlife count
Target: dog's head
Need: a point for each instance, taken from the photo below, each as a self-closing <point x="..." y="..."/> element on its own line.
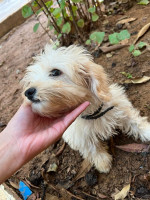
<point x="60" y="80"/>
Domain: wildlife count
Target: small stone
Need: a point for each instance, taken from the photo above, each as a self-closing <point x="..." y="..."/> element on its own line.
<point x="134" y="33"/>
<point x="119" y="26"/>
<point x="17" y="71"/>
<point x="108" y="55"/>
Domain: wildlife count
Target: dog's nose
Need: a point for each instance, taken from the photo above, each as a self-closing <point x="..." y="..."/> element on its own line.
<point x="29" y="93"/>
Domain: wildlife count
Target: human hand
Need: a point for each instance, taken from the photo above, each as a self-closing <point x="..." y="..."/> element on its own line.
<point x="28" y="134"/>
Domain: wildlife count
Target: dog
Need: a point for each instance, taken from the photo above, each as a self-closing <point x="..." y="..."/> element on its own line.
<point x="60" y="80"/>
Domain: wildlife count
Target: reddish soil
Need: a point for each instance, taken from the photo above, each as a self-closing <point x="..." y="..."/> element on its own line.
<point x="17" y="49"/>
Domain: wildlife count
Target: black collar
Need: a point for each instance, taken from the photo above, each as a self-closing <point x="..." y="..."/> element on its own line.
<point x="97" y="114"/>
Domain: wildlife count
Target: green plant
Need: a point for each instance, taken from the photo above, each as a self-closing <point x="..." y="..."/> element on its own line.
<point x="115" y="38"/>
<point x="136" y="50"/>
<point x="69" y="18"/>
<point x="127" y="75"/>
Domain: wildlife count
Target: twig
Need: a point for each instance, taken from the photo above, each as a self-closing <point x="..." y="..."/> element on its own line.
<point x="60" y="150"/>
<point x="55" y="25"/>
<point x="41" y="23"/>
<point x="74" y="21"/>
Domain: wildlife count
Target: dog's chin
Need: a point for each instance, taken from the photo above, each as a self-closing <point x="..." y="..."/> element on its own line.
<point x="49" y="111"/>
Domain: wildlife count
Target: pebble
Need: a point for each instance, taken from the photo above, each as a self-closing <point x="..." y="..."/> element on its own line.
<point x="18" y="71"/>
<point x="108" y="55"/>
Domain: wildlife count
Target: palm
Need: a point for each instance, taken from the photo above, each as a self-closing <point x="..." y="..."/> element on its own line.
<point x="35" y="133"/>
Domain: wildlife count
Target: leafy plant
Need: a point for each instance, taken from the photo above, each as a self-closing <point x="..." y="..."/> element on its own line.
<point x="143" y="2"/>
<point x="115" y="38"/>
<point x="135" y="50"/>
<point x="127" y="75"/>
<point x="67" y="18"/>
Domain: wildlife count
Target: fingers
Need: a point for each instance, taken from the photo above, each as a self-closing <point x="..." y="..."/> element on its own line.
<point x="69" y="118"/>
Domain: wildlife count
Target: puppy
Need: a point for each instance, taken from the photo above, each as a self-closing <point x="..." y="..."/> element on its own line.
<point x="60" y="80"/>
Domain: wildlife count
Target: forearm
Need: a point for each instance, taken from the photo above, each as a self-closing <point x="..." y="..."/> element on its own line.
<point x="9" y="157"/>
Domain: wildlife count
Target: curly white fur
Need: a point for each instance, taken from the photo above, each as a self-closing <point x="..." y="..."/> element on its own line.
<point x="83" y="80"/>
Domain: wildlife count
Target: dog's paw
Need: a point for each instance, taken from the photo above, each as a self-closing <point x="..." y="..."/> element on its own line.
<point x="103" y="162"/>
<point x="145" y="135"/>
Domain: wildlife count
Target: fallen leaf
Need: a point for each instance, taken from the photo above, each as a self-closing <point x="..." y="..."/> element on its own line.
<point x="102" y="196"/>
<point x="85" y="167"/>
<point x="142" y="32"/>
<point x="123" y="193"/>
<point x="124" y="42"/>
<point x="134" y="147"/>
<point x="144" y="79"/>
<point x="103" y="7"/>
<point x="123" y="21"/>
<point x="14" y="184"/>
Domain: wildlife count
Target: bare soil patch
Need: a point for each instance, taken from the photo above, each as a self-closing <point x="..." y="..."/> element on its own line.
<point x="16" y="51"/>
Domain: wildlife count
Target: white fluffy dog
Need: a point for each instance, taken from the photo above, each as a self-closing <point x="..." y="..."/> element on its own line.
<point x="59" y="80"/>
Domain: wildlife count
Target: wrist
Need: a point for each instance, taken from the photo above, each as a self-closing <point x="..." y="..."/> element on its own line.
<point x="9" y="156"/>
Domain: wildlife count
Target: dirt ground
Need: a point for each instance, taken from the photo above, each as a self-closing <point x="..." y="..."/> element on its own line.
<point x="16" y="51"/>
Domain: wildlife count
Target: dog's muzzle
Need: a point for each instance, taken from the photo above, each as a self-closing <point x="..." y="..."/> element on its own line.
<point x="30" y="94"/>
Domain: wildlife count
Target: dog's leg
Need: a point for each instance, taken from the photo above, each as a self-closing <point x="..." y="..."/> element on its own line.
<point x="135" y="125"/>
<point x="99" y="157"/>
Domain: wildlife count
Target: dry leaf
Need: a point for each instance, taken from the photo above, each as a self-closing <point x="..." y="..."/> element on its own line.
<point x="123" y="21"/>
<point x="102" y="6"/>
<point x="123" y="193"/>
<point x="14" y="183"/>
<point x="102" y="196"/>
<point x="85" y="167"/>
<point x="144" y="79"/>
<point x="124" y="42"/>
<point x="142" y="32"/>
<point x="134" y="147"/>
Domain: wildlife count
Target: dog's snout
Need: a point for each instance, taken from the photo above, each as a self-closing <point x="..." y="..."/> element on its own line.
<point x="29" y="93"/>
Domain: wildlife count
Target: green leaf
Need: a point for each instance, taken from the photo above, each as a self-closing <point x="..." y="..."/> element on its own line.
<point x="74" y="9"/>
<point x="36" y="26"/>
<point x="38" y="11"/>
<point x="34" y="4"/>
<point x="142" y="44"/>
<point x="136" y="52"/>
<point x="62" y="4"/>
<point x="59" y="21"/>
<point x="94" y="17"/>
<point x="97" y="37"/>
<point x="49" y="4"/>
<point x="76" y="1"/>
<point x="56" y="11"/>
<point x="27" y="11"/>
<point x="131" y="48"/>
<point x="123" y="35"/>
<point x="66" y="28"/>
<point x="143" y="2"/>
<point x="51" y="27"/>
<point x="113" y="39"/>
<point x="80" y="23"/>
<point x="88" y="42"/>
<point x="59" y="36"/>
<point x="128" y="75"/>
<point x="92" y="9"/>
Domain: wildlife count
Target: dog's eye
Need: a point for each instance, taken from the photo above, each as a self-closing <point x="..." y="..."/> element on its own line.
<point x="55" y="72"/>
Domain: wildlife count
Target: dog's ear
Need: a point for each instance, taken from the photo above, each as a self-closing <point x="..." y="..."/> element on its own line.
<point x="98" y="81"/>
